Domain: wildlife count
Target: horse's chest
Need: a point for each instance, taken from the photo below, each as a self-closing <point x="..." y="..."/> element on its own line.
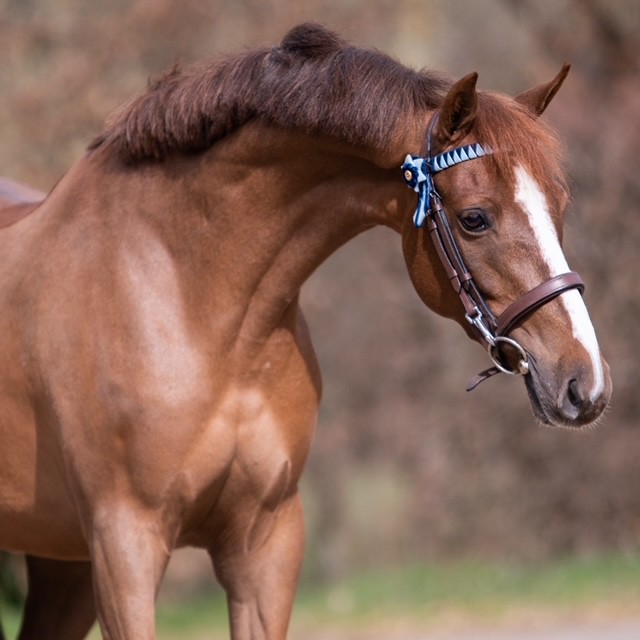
<point x="272" y="431"/>
<point x="266" y="430"/>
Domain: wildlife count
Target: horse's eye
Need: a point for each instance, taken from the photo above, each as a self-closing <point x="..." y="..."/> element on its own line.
<point x="474" y="220"/>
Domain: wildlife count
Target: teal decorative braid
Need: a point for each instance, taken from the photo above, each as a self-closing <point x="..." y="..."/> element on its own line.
<point x="418" y="174"/>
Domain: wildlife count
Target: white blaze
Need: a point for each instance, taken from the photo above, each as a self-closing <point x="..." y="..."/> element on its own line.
<point x="532" y="200"/>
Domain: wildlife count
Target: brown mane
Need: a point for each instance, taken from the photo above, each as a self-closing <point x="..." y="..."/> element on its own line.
<point x="313" y="81"/>
<point x="317" y="83"/>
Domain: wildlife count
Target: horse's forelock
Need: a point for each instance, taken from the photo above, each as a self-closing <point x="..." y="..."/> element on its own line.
<point x="519" y="138"/>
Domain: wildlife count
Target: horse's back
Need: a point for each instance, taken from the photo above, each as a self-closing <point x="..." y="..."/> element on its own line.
<point x="12" y="192"/>
<point x="17" y="201"/>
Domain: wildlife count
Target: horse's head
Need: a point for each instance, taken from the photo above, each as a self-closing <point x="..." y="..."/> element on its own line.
<point x="492" y="227"/>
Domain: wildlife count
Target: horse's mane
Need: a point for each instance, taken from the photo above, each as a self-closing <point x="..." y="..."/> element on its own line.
<point x="313" y="82"/>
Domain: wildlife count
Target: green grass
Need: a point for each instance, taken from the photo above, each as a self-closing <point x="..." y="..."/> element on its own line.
<point x="10" y="620"/>
<point x="421" y="595"/>
<point x="203" y="612"/>
<point x="481" y="589"/>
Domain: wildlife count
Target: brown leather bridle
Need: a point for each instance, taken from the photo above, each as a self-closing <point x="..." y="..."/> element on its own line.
<point x="418" y="173"/>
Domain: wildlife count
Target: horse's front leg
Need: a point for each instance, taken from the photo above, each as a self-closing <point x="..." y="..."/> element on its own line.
<point x="129" y="556"/>
<point x="260" y="570"/>
<point x="59" y="600"/>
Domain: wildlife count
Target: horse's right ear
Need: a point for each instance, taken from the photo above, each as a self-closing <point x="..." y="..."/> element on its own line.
<point x="458" y="110"/>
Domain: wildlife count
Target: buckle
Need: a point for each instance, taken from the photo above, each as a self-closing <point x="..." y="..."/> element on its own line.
<point x="478" y="321"/>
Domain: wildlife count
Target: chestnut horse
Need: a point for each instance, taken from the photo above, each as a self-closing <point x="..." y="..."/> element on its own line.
<point x="158" y="386"/>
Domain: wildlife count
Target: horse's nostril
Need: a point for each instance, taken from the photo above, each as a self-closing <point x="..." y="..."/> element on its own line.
<point x="573" y="393"/>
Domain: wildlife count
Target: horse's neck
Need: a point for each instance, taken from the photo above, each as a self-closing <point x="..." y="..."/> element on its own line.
<point x="259" y="212"/>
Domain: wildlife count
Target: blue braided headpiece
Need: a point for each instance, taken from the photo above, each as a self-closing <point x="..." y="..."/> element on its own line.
<point x="418" y="173"/>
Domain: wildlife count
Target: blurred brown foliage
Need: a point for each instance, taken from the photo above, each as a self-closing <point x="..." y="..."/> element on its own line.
<point x="405" y="464"/>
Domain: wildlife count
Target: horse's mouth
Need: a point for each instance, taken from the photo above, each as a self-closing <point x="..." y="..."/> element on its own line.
<point x="537" y="398"/>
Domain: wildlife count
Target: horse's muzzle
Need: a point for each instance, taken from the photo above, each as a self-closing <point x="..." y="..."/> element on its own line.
<point x="566" y="401"/>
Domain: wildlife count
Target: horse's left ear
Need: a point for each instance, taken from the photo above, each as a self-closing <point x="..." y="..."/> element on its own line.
<point x="458" y="110"/>
<point x="538" y="98"/>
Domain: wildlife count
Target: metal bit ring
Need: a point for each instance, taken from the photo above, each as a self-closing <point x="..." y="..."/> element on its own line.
<point x="523" y="362"/>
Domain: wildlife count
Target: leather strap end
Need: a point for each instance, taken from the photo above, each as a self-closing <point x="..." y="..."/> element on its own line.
<point x="481" y="377"/>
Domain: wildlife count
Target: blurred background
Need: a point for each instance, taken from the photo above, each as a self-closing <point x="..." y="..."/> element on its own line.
<point x="406" y="467"/>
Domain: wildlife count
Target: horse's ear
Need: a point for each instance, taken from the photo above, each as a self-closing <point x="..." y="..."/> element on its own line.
<point x="538" y="98"/>
<point x="458" y="110"/>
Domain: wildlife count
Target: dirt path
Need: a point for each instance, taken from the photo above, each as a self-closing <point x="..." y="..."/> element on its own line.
<point x="623" y="630"/>
<point x="610" y="631"/>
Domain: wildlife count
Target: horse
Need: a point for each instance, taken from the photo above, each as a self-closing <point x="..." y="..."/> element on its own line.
<point x="158" y="384"/>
